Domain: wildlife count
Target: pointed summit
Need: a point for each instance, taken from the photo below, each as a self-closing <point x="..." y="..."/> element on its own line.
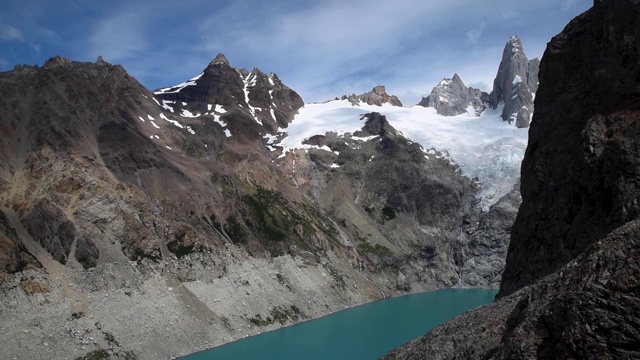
<point x="515" y="84"/>
<point x="452" y="97"/>
<point x="219" y="59"/>
<point x="262" y="101"/>
<point x="514" y="43"/>
<point x="378" y="96"/>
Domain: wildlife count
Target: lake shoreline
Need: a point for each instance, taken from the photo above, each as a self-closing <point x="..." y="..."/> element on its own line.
<point x="198" y="354"/>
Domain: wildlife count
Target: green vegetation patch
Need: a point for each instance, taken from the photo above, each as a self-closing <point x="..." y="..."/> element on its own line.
<point x="178" y="247"/>
<point x="377" y="249"/>
<point x="228" y="157"/>
<point x="388" y="213"/>
<point x="275" y="219"/>
<point x="95" y="355"/>
<point x="235" y="230"/>
<point x="279" y="314"/>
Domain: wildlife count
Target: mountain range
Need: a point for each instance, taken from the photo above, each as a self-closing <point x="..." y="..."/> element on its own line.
<point x="151" y="224"/>
<point x="514" y="89"/>
<point x="212" y="197"/>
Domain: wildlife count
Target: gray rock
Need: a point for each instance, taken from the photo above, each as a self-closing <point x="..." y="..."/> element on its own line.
<point x="377" y="96"/>
<point x="50" y="227"/>
<point x="584" y="311"/>
<point x="487" y="248"/>
<point x="268" y="100"/>
<point x="451" y="97"/>
<point x="515" y="84"/>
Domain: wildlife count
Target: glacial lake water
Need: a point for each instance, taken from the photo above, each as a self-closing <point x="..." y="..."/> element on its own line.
<point x="363" y="332"/>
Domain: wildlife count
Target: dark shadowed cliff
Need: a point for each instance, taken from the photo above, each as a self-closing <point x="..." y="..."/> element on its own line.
<point x="571" y="287"/>
<point x="582" y="165"/>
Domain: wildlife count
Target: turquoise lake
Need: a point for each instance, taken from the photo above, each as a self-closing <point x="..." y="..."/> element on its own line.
<point x="363" y="332"/>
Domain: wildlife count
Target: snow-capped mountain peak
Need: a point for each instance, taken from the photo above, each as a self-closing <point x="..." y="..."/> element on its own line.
<point x="262" y="98"/>
<point x="452" y="97"/>
<point x="377" y="96"/>
<point x="485" y="147"/>
<point x="515" y="84"/>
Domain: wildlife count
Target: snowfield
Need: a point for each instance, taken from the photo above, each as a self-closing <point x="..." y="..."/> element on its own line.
<point x="485" y="147"/>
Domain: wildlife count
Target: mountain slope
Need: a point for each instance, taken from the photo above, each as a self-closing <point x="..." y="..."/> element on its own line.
<point x="483" y="147"/>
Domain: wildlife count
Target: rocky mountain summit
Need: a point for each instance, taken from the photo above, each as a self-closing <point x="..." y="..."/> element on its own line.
<point x="377" y="96"/>
<point x="571" y="284"/>
<point x="514" y="87"/>
<point x="515" y="84"/>
<point x="260" y="97"/>
<point x="451" y="97"/>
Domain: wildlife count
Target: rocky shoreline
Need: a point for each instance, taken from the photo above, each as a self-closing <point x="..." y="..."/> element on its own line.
<point x="160" y="316"/>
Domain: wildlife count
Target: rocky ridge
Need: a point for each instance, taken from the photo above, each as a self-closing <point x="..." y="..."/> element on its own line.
<point x="452" y="97"/>
<point x="377" y="96"/>
<point x="514" y="87"/>
<point x="570" y="285"/>
<point x="515" y="84"/>
<point x="253" y="95"/>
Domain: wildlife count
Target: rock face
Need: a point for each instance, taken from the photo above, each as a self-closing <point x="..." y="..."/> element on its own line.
<point x="514" y="87"/>
<point x="399" y="199"/>
<point x="261" y="96"/>
<point x="486" y="250"/>
<point x="377" y="96"/>
<point x="451" y="97"/>
<point x="515" y="84"/>
<point x="50" y="227"/>
<point x="582" y="162"/>
<point x="570" y="288"/>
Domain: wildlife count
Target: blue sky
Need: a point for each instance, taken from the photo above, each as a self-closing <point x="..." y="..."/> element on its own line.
<point x="321" y="48"/>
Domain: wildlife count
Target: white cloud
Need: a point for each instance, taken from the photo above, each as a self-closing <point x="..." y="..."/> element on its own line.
<point x="324" y="48"/>
<point x="568" y="4"/>
<point x="329" y="44"/>
<point x="474" y="35"/>
<point x="119" y="37"/>
<point x="8" y="33"/>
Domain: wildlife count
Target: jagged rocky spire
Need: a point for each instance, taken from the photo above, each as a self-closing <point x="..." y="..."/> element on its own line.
<point x="452" y="97"/>
<point x="515" y="84"/>
<point x="219" y="59"/>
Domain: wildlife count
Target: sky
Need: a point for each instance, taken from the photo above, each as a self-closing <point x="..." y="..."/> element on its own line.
<point x="322" y="48"/>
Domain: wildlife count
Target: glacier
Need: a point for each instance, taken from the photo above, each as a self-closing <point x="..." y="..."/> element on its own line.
<point x="485" y="147"/>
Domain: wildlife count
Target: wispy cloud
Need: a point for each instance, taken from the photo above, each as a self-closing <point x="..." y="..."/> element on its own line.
<point x="119" y="37"/>
<point x="9" y="33"/>
<point x="321" y="48"/>
<point x="474" y="35"/>
<point x="568" y="4"/>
